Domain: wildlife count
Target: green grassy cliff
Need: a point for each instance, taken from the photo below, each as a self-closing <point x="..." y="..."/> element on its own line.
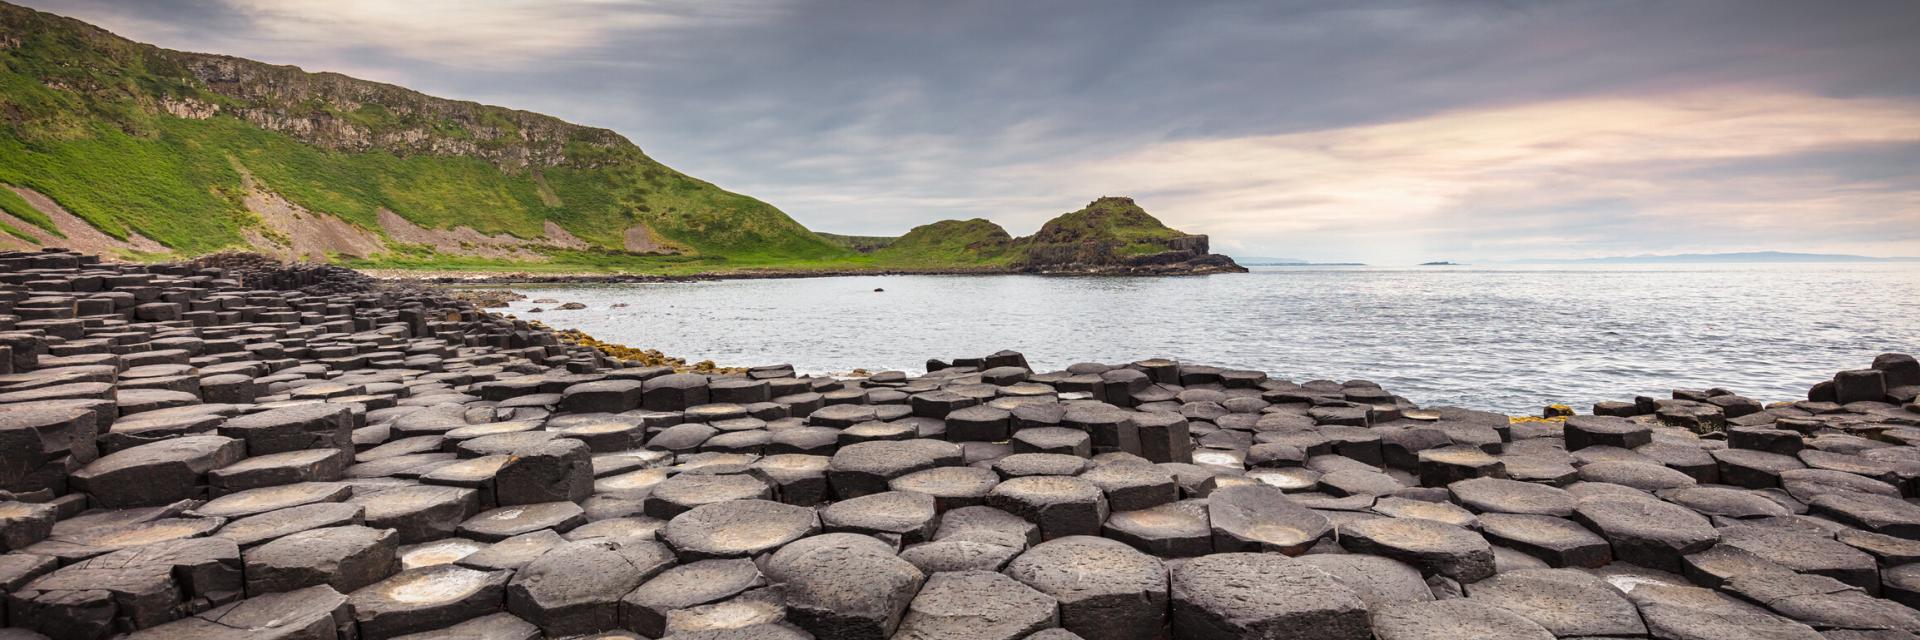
<point x="117" y="147"/>
<point x="135" y="139"/>
<point x="1111" y="233"/>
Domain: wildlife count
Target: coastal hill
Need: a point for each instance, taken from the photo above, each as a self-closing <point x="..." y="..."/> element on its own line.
<point x="1109" y="235"/>
<point x="168" y="151"/>
<point x="121" y="148"/>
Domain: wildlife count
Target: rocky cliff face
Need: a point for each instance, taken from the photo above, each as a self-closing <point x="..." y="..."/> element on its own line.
<point x="327" y="110"/>
<point x="340" y="113"/>
<point x="173" y="145"/>
<point x="1114" y="235"/>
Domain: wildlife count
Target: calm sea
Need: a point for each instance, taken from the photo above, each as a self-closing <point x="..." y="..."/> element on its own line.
<point x="1502" y="338"/>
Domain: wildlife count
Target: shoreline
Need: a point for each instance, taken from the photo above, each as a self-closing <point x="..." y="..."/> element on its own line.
<point x="323" y="451"/>
<point x="486" y="278"/>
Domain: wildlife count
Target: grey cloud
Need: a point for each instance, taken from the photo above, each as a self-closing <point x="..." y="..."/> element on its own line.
<point x="874" y="116"/>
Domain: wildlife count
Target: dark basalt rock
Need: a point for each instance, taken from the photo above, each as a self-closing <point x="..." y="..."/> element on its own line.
<point x="471" y="476"/>
<point x="1256" y="595"/>
<point x="1106" y="589"/>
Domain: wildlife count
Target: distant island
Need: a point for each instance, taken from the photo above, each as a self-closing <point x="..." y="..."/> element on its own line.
<point x="1254" y="261"/>
<point x="1739" y="257"/>
<point x="1440" y="263"/>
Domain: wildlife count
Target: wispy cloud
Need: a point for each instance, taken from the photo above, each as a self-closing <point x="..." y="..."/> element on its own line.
<point x="1378" y="130"/>
<point x="1577" y="176"/>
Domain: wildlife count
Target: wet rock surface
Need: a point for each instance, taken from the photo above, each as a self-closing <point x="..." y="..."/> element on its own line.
<point x="294" y="452"/>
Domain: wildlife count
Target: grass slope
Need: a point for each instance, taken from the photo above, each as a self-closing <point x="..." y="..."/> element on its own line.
<point x="974" y="243"/>
<point x="862" y="244"/>
<point x="1106" y="231"/>
<point x="93" y="121"/>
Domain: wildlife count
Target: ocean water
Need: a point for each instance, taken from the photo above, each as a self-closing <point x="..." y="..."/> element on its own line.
<point x="1509" y="339"/>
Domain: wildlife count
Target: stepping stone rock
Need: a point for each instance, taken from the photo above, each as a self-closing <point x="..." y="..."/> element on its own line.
<point x="1456" y="618"/>
<point x="674" y="392"/>
<point x="1061" y="506"/>
<point x="976" y="604"/>
<point x="1806" y="484"/>
<point x="577" y="587"/>
<point x="680" y="493"/>
<point x="262" y="500"/>
<point x="511" y="553"/>
<point x="1133" y="486"/>
<point x="498" y="626"/>
<point x="1687" y="612"/>
<point x="1557" y="541"/>
<point x="1876" y="513"/>
<point x="839" y="586"/>
<point x="989" y="525"/>
<point x="1824" y="603"/>
<point x="645" y="608"/>
<point x="131" y="588"/>
<point x="1106" y="589"/>
<point x="506" y="522"/>
<point x="158" y="473"/>
<point x="1445" y="512"/>
<point x="1257" y="517"/>
<point x="1647" y="532"/>
<point x="438" y="552"/>
<point x="901" y="517"/>
<point x="1359" y="482"/>
<point x="1174" y="530"/>
<point x="1039" y="464"/>
<point x="1753" y="469"/>
<point x="1376" y="580"/>
<point x="1257" y="595"/>
<point x="737" y="529"/>
<point x="425" y="599"/>
<point x="74" y="546"/>
<point x="313" y="613"/>
<point x="419" y="513"/>
<point x="603" y="396"/>
<point x="866" y="468"/>
<point x="958" y="555"/>
<point x="1492" y="495"/>
<point x="1721" y="501"/>
<point x="312" y="465"/>
<point x="1639" y="475"/>
<point x="1587" y="431"/>
<point x="1567" y="602"/>
<point x="345" y="558"/>
<point x="557" y="471"/>
<point x="22" y="524"/>
<point x="1433" y="547"/>
<point x="1061" y="440"/>
<point x="951" y="487"/>
<point x="1445" y="465"/>
<point x="295" y="428"/>
<point x="1810" y="553"/>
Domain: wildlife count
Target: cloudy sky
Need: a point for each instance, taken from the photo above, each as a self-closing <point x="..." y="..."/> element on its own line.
<point x="1387" y="132"/>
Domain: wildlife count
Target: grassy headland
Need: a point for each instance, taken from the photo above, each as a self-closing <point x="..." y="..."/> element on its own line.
<point x="198" y="153"/>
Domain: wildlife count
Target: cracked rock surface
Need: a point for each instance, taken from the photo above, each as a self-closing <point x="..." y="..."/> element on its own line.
<point x="296" y="453"/>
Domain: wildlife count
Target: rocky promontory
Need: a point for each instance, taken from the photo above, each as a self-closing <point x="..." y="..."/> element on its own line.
<point x="1114" y="235"/>
<point x="245" y="450"/>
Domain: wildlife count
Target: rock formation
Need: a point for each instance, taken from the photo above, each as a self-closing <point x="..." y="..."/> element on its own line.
<point x="238" y="450"/>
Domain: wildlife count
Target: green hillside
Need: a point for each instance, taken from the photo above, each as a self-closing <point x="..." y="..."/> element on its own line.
<point x="138" y="139"/>
<point x="950" y="242"/>
<point x="172" y="154"/>
<point x="861" y="244"/>
<point x="1110" y="230"/>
